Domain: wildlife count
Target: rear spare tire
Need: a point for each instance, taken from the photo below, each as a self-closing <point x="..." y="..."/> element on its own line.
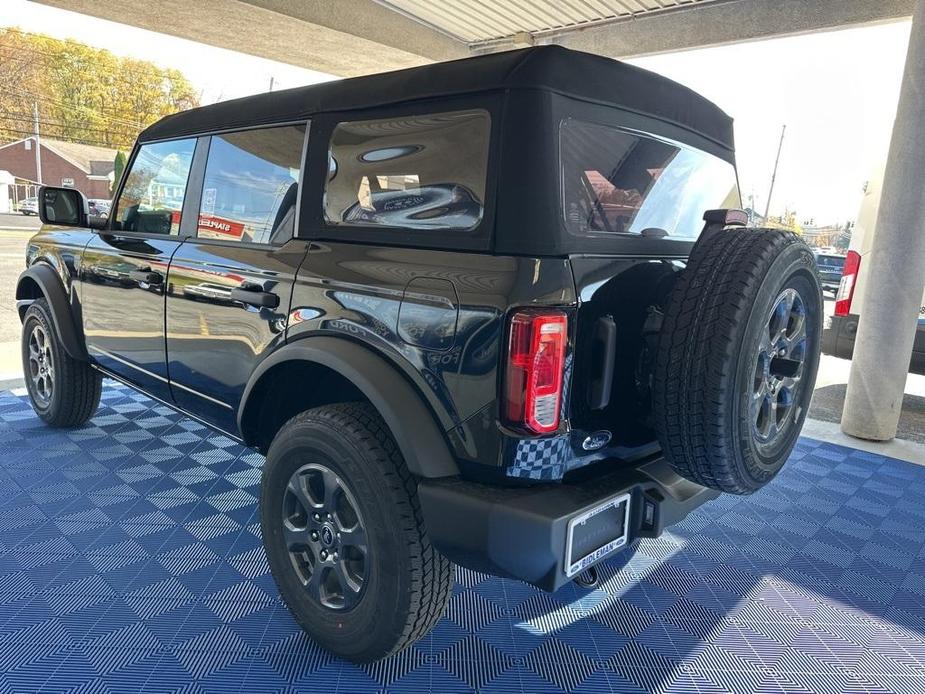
<point x="737" y="357"/>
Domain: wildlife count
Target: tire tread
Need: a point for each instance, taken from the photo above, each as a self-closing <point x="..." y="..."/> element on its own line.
<point x="80" y="385"/>
<point x="431" y="573"/>
<point x="702" y="332"/>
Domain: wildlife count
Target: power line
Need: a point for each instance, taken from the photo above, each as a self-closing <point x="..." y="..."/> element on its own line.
<point x="22" y="117"/>
<point x="22" y="134"/>
<point x="53" y="123"/>
<point x="46" y="99"/>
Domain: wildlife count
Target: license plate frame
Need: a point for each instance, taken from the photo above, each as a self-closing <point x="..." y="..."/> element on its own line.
<point x="575" y="567"/>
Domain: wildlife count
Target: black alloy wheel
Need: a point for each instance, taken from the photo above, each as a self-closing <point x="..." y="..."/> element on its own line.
<point x="325" y="536"/>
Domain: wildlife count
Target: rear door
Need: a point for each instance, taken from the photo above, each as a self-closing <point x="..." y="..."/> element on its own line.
<point x="229" y="287"/>
<point x="124" y="268"/>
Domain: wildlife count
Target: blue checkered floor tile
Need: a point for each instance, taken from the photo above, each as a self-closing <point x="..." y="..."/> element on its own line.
<point x="130" y="560"/>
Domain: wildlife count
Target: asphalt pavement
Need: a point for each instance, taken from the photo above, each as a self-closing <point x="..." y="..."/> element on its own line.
<point x="19" y="222"/>
<point x="15" y="231"/>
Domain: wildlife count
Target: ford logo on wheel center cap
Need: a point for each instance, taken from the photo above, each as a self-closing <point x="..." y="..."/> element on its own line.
<point x="596" y="440"/>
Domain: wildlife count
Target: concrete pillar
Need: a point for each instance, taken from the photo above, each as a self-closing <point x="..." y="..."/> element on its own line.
<point x="896" y="272"/>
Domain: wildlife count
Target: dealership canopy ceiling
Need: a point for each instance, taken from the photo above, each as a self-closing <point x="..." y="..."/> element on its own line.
<point x="352" y="37"/>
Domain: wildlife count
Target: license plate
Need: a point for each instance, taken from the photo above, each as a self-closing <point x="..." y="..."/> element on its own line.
<point x="596" y="533"/>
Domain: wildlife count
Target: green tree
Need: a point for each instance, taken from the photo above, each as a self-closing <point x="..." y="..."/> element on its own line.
<point x="118" y="167"/>
<point x="84" y="94"/>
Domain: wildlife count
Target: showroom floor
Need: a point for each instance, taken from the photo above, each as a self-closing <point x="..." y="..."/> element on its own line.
<point x="130" y="560"/>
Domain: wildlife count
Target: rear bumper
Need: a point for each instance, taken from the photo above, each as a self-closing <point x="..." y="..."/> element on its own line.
<point x="838" y="335"/>
<point x="840" y="331"/>
<point x="522" y="532"/>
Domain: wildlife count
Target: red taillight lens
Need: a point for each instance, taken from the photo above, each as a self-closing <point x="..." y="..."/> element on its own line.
<point x="849" y="280"/>
<point x="535" y="364"/>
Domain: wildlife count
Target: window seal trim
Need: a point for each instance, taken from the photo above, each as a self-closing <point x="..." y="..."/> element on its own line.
<point x="233" y="129"/>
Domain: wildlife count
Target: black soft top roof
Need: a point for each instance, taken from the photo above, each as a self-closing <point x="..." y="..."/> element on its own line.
<point x="551" y="68"/>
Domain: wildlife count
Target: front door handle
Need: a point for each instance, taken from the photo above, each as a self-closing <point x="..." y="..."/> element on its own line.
<point x="255" y="297"/>
<point x="146" y="275"/>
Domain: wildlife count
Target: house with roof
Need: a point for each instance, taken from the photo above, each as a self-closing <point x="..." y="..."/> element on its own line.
<point x="87" y="168"/>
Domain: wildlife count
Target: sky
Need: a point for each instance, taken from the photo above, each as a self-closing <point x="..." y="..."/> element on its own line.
<point x="836" y="92"/>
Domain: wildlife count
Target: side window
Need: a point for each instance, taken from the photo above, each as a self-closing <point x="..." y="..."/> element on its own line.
<point x="152" y="197"/>
<point x="415" y="172"/>
<point x="251" y="183"/>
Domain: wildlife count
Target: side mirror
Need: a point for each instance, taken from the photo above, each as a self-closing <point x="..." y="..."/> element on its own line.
<point x="63" y="207"/>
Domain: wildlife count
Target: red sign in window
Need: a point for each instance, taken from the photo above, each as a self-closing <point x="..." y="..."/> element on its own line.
<point x="219" y="228"/>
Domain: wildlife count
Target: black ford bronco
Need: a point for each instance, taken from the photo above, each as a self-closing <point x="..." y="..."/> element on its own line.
<point x="499" y="312"/>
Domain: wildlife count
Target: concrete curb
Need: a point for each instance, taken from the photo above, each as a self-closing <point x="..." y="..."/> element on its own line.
<point x="901" y="449"/>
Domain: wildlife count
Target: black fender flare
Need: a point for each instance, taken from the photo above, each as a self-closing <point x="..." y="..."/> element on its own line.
<point x="60" y="306"/>
<point x="422" y="443"/>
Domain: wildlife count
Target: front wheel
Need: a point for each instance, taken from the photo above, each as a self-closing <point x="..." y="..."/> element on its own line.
<point x="64" y="391"/>
<point x="344" y="535"/>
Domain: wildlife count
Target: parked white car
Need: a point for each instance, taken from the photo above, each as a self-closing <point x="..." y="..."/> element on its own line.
<point x="29" y="206"/>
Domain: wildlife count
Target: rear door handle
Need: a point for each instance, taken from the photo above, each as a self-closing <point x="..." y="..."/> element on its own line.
<point x="146" y="275"/>
<point x="255" y="297"/>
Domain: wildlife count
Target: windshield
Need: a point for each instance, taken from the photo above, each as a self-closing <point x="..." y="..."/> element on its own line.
<point x="620" y="181"/>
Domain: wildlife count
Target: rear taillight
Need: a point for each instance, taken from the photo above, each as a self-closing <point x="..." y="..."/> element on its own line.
<point x="849" y="280"/>
<point x="534" y="373"/>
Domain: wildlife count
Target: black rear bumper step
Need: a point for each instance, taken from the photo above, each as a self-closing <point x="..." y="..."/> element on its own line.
<point x="521" y="532"/>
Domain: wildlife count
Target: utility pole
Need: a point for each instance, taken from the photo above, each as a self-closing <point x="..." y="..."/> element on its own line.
<point x="38" y="144"/>
<point x="271" y="83"/>
<point x="767" y="207"/>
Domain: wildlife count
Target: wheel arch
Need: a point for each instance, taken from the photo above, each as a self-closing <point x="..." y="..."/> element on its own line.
<point x="42" y="282"/>
<point x="346" y="371"/>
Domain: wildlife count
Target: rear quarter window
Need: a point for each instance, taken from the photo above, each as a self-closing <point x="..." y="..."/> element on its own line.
<point x="618" y="181"/>
<point x="423" y="172"/>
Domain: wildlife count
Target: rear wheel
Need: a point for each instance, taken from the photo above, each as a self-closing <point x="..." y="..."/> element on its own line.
<point x="737" y="358"/>
<point x="344" y="535"/>
<point x="64" y="391"/>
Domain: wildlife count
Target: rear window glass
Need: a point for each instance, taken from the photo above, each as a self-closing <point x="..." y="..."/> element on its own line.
<point x="620" y="181"/>
<point x="833" y="262"/>
<point x="414" y="172"/>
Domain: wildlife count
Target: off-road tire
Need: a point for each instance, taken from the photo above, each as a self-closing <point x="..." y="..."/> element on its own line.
<point x="409" y="582"/>
<point x="76" y="389"/>
<point x="708" y="344"/>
